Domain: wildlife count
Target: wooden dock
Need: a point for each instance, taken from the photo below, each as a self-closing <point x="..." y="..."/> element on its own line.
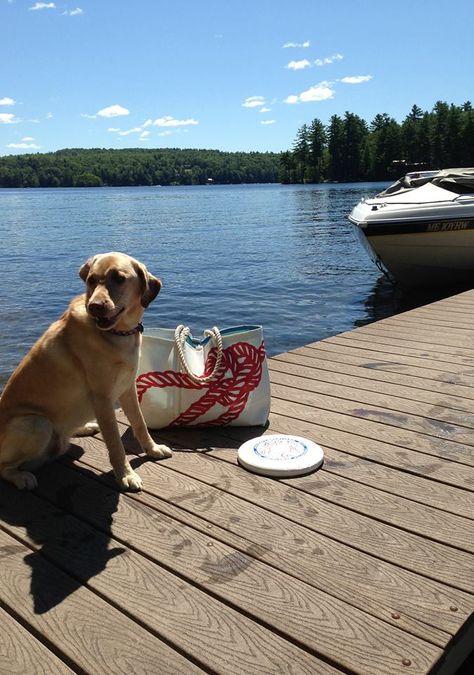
<point x="365" y="566"/>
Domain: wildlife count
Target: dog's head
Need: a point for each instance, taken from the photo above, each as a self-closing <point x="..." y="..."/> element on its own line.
<point x="118" y="288"/>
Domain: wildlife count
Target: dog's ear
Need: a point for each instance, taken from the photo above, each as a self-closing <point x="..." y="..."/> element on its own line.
<point x="151" y="285"/>
<point x="84" y="271"/>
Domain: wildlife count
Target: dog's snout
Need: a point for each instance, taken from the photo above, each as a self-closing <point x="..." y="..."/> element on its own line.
<point x="97" y="309"/>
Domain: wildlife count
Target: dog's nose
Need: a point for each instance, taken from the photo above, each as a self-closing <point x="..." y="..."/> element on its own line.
<point x="97" y="309"/>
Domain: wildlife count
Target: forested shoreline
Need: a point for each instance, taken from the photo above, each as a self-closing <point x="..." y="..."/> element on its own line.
<point x="137" y="166"/>
<point x="349" y="149"/>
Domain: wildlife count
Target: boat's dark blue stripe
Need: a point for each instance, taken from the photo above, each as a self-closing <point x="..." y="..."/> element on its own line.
<point x="444" y="225"/>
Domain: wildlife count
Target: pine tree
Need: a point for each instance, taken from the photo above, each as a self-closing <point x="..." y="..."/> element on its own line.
<point x="317" y="144"/>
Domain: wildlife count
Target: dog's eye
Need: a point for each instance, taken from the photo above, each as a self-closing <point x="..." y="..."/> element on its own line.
<point x="91" y="280"/>
<point x="118" y="278"/>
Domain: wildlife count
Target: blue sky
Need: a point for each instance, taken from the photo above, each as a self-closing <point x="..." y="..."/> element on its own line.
<point x="225" y="74"/>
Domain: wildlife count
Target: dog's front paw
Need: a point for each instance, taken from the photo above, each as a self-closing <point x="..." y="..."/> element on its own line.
<point x="131" y="482"/>
<point x="24" y="480"/>
<point x="158" y="451"/>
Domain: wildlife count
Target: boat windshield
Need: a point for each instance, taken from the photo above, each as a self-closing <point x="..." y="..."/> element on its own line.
<point x="460" y="181"/>
<point x="409" y="181"/>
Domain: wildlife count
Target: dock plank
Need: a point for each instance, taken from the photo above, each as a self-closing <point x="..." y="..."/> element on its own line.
<point x="208" y="632"/>
<point x="381" y="500"/>
<point x="407" y="353"/>
<point x="433" y="414"/>
<point x="298" y="611"/>
<point x="395" y="364"/>
<point x="21" y="652"/>
<point x="219" y="491"/>
<point x="439" y="459"/>
<point x="426" y="334"/>
<point x="374" y="463"/>
<point x="358" y="378"/>
<point x="380" y="370"/>
<point x="89" y="634"/>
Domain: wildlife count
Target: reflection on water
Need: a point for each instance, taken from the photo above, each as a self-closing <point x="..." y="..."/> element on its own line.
<point x="386" y="299"/>
<point x="283" y="256"/>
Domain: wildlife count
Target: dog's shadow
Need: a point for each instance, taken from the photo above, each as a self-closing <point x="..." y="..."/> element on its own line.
<point x="67" y="552"/>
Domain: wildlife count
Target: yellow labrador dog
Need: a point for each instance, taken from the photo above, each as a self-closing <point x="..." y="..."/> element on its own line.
<point x="79" y="368"/>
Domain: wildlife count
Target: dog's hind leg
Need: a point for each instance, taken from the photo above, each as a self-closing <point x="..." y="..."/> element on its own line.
<point x="25" y="441"/>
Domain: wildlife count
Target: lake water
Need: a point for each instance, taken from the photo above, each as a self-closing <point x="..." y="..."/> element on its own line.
<point x="285" y="257"/>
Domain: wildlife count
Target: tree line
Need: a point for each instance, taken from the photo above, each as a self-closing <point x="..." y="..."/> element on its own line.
<point x="97" y="167"/>
<point x="349" y="149"/>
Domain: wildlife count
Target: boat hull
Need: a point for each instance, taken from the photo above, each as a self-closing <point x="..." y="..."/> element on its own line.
<point x="429" y="258"/>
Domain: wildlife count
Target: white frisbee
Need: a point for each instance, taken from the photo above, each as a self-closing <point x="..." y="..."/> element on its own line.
<point x="280" y="455"/>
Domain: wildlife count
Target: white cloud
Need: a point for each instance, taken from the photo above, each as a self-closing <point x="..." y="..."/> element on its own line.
<point x="328" y="59"/>
<point x="169" y="121"/>
<point x="26" y="139"/>
<point x="135" y="130"/>
<point x="49" y="115"/>
<point x="73" y="12"/>
<point x="165" y="133"/>
<point x="23" y="146"/>
<point x="113" y="111"/>
<point x="42" y="5"/>
<point x="356" y="79"/>
<point x="267" y="121"/>
<point x="7" y="118"/>
<point x="304" y="45"/>
<point x="113" y="129"/>
<point x="298" y="65"/>
<point x="7" y="101"/>
<point x="264" y="110"/>
<point x="145" y="134"/>
<point x="253" y="102"/>
<point x="89" y="117"/>
<point x="318" y="92"/>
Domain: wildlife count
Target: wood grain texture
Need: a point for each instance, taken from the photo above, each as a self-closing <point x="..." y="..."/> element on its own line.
<point x="21" y="653"/>
<point x="421" y="455"/>
<point x="437" y="420"/>
<point x="385" y="506"/>
<point x="377" y="464"/>
<point x="381" y="370"/>
<point x="390" y="411"/>
<point x="268" y="515"/>
<point x="358" y="378"/>
<point x="90" y="633"/>
<point x="296" y="610"/>
<point x="384" y="344"/>
<point x="344" y="455"/>
<point x="396" y="364"/>
<point x="214" y="635"/>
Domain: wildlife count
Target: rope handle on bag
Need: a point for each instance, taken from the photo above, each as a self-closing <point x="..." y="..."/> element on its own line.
<point x="180" y="335"/>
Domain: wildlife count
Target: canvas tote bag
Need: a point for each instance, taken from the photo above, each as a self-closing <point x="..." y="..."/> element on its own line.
<point x="219" y="379"/>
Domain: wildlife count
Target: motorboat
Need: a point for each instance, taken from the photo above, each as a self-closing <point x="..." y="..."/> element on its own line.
<point x="420" y="230"/>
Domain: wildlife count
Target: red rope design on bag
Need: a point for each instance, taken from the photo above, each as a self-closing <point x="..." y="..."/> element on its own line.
<point x="244" y="363"/>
